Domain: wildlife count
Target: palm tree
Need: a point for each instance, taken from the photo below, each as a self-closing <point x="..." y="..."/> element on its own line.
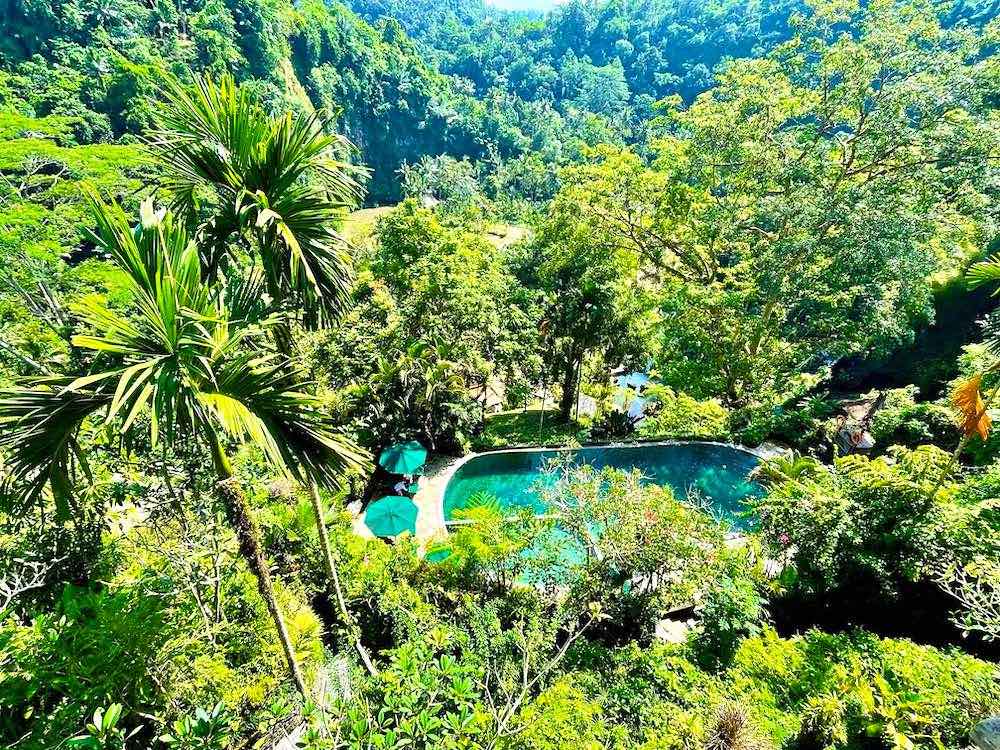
<point x="196" y="363"/>
<point x="270" y="186"/>
<point x="273" y="187"/>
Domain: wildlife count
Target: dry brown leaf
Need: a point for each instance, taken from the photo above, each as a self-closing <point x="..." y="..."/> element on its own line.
<point x="968" y="399"/>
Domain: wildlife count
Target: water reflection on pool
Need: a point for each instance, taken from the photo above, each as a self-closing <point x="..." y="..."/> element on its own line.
<point x="718" y="473"/>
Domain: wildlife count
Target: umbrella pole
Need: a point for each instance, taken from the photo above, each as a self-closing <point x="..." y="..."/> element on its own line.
<point x="331" y="569"/>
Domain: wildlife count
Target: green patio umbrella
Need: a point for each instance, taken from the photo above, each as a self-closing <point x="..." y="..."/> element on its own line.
<point x="392" y="515"/>
<point x="438" y="553"/>
<point x="403" y="458"/>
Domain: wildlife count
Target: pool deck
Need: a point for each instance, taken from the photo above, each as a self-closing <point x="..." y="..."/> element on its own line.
<point x="429" y="498"/>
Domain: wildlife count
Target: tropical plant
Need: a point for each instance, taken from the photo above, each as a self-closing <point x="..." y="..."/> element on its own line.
<point x="732" y="609"/>
<point x="789" y="468"/>
<point x="276" y="188"/>
<point x="420" y="392"/>
<point x="670" y="414"/>
<point x="206" y="730"/>
<point x="613" y="424"/>
<point x="425" y="698"/>
<point x="193" y="364"/>
<point x="103" y="732"/>
<point x="272" y="186"/>
<point x="863" y="527"/>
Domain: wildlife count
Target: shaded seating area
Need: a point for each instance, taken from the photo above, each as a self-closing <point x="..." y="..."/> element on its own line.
<point x="391" y="516"/>
<point x="395" y="513"/>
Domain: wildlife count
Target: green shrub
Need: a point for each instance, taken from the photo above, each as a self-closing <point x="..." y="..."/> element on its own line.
<point x="904" y="421"/>
<point x="864" y="527"/>
<point x="424" y="698"/>
<point x="562" y="717"/>
<point x="801" y="422"/>
<point x="612" y="425"/>
<point x="845" y="689"/>
<point x="144" y="640"/>
<point x="94" y="649"/>
<point x="646" y="535"/>
<point x="956" y="690"/>
<point x="731" y="609"/>
<point x="646" y="688"/>
<point x="677" y="415"/>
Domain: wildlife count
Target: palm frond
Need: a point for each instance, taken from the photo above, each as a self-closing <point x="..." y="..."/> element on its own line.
<point x="206" y="136"/>
<point x="304" y="254"/>
<point x="278" y="180"/>
<point x="793" y="468"/>
<point x="984" y="272"/>
<point x="246" y="299"/>
<point x="38" y="427"/>
<point x="262" y="399"/>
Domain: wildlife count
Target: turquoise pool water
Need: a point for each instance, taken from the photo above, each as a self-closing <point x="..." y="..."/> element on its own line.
<point x="718" y="473"/>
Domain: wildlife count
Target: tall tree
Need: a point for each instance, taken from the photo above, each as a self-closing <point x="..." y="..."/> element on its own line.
<point x="812" y="191"/>
<point x="194" y="363"/>
<point x="273" y="187"/>
<point x="594" y="298"/>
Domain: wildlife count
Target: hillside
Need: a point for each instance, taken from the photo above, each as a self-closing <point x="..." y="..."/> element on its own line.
<point x="425" y="375"/>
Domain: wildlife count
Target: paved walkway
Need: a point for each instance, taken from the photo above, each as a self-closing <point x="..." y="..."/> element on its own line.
<point x="429" y="501"/>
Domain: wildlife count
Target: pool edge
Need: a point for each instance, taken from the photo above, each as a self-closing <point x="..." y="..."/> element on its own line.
<point x="436" y="486"/>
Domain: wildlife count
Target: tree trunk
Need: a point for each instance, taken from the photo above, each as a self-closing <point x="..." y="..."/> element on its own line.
<point x="331" y="569"/>
<point x="568" y="388"/>
<point x="248" y="535"/>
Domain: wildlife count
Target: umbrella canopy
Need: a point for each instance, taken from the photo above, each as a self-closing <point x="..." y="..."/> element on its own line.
<point x="437" y="554"/>
<point x="403" y="458"/>
<point x="392" y="515"/>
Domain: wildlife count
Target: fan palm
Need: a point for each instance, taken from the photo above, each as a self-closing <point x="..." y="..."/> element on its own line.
<point x="194" y="363"/>
<point x="271" y="185"/>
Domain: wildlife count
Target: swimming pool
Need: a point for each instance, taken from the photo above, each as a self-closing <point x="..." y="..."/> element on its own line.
<point x="719" y="473"/>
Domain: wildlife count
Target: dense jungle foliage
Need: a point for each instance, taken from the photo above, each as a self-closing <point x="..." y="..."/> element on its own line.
<point x="247" y="245"/>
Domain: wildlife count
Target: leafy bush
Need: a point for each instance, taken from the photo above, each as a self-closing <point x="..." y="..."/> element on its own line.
<point x="424" y="698"/>
<point x="561" y="717"/>
<point x="844" y="689"/>
<point x="612" y="425"/>
<point x="205" y="730"/>
<point x="904" y="421"/>
<point x="647" y="536"/>
<point x="671" y="414"/>
<point x="799" y="421"/>
<point x="865" y="526"/>
<point x="732" y="609"/>
<point x="94" y="649"/>
<point x="143" y="641"/>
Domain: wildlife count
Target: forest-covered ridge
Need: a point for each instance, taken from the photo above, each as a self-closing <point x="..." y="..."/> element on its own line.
<point x="236" y="409"/>
<point x="461" y="79"/>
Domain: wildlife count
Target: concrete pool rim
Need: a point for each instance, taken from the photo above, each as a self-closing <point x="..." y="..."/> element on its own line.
<point x="762" y="452"/>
